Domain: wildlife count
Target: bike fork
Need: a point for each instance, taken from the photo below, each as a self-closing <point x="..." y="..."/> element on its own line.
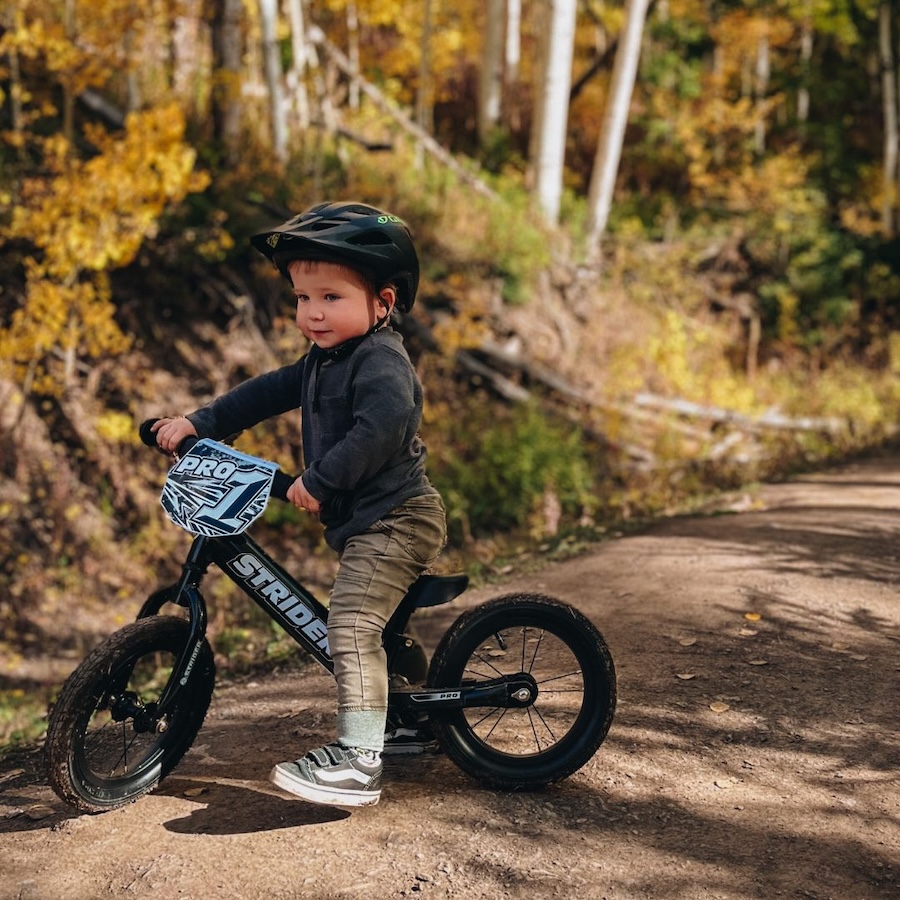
<point x="187" y="594"/>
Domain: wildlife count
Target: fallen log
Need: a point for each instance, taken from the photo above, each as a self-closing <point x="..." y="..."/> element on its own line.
<point x="769" y="420"/>
<point x="425" y="140"/>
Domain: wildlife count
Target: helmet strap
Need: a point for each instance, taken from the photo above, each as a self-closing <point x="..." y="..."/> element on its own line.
<point x="388" y="303"/>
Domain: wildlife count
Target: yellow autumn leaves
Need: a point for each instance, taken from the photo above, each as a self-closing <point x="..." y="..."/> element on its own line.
<point x="82" y="219"/>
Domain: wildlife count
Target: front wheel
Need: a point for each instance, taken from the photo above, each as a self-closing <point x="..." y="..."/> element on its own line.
<point x="106" y="742"/>
<point x="564" y="724"/>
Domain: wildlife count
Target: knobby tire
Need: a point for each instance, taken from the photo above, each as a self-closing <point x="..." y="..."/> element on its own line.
<point x="100" y="752"/>
<point x="565" y="654"/>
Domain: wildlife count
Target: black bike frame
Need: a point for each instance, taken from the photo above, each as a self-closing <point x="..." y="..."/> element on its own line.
<point x="304" y="618"/>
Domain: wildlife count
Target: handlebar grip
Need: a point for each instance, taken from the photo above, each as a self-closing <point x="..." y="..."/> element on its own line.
<point x="148" y="438"/>
<point x="280" y="484"/>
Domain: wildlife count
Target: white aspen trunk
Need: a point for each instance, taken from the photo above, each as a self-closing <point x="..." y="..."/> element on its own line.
<point x="353" y="51"/>
<point x="806" y="49"/>
<point x="540" y="21"/>
<point x="68" y="126"/>
<point x="268" y="10"/>
<point x="761" y="88"/>
<point x="612" y="133"/>
<point x="889" y="102"/>
<point x="490" y="86"/>
<point x="513" y="47"/>
<point x="300" y="53"/>
<point x="423" y="91"/>
<point x="554" y="107"/>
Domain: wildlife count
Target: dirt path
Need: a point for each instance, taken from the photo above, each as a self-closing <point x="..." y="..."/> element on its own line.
<point x="790" y="790"/>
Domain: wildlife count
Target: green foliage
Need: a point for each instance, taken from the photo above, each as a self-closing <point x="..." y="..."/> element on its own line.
<point x="23" y="716"/>
<point x="496" y="468"/>
<point x="496" y="238"/>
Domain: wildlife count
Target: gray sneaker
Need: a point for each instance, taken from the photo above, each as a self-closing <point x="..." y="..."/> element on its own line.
<point x="336" y="775"/>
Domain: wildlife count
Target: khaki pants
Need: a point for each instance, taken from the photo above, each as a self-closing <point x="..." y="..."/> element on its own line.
<point x="377" y="568"/>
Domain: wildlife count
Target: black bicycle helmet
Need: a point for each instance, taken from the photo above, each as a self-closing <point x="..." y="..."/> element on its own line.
<point x="365" y="238"/>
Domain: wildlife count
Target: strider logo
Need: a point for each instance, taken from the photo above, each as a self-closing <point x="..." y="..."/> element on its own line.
<point x="273" y="591"/>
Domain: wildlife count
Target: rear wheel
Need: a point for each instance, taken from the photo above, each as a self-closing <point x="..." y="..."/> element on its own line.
<point x="560" y="653"/>
<point x="106" y="743"/>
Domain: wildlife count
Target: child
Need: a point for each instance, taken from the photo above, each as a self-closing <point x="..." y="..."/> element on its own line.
<point x="350" y="266"/>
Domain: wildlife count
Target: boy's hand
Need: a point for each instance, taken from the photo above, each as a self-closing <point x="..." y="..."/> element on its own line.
<point x="171" y="432"/>
<point x="302" y="498"/>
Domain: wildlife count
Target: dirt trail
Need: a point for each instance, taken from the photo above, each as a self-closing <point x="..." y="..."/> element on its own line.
<point x="789" y="790"/>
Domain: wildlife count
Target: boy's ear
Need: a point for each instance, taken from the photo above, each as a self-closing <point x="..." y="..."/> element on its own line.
<point x="387" y="297"/>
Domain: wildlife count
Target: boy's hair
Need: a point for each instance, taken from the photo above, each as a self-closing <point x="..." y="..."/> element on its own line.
<point x="369" y="241"/>
<point x="368" y="279"/>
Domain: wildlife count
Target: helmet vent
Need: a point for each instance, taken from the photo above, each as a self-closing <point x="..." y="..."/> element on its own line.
<point x="371" y="238"/>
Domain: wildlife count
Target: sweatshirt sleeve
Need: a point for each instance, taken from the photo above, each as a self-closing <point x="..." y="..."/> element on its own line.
<point x="385" y="414"/>
<point x="251" y="402"/>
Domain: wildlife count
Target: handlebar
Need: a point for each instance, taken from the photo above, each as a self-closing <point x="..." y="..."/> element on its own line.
<point x="281" y="481"/>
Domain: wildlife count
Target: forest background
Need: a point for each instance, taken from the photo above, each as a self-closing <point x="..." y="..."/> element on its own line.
<point x="659" y="247"/>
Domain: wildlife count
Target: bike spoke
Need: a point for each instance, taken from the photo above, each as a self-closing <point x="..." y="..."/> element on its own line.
<point x="534" y="655"/>
<point x="534" y="711"/>
<point x="543" y="681"/>
<point x="500" y="712"/>
<point x="475" y="672"/>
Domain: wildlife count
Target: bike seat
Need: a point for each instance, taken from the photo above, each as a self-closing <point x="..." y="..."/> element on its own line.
<point x="433" y="590"/>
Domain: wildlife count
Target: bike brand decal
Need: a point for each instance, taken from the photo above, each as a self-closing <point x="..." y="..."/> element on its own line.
<point x="273" y="591"/>
<point x="190" y="665"/>
<point x="216" y="491"/>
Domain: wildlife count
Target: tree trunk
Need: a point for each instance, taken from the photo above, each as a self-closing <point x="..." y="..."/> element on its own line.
<point x="224" y="17"/>
<point x="300" y="54"/>
<point x="68" y="95"/>
<point x="612" y="134"/>
<point x="889" y="101"/>
<point x="806" y="49"/>
<point x="513" y="51"/>
<point x="268" y="11"/>
<point x="424" y="106"/>
<point x="490" y="87"/>
<point x="540" y="18"/>
<point x="353" y="51"/>
<point x="761" y="88"/>
<point x="554" y="107"/>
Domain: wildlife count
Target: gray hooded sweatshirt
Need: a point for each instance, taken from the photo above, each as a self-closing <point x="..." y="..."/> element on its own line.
<point x="361" y="408"/>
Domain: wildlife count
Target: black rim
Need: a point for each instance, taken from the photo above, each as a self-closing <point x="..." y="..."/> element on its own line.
<point x="118" y="749"/>
<point x="557" y="660"/>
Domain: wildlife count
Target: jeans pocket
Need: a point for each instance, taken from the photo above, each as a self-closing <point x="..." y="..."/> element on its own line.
<point x="427" y="531"/>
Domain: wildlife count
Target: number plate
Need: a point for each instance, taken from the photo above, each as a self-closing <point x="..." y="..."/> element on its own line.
<point x="217" y="491"/>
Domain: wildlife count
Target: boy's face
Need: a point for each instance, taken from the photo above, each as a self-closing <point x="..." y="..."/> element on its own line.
<point x="333" y="303"/>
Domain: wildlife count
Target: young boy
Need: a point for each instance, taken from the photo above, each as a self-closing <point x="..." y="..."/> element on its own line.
<point x="350" y="266"/>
